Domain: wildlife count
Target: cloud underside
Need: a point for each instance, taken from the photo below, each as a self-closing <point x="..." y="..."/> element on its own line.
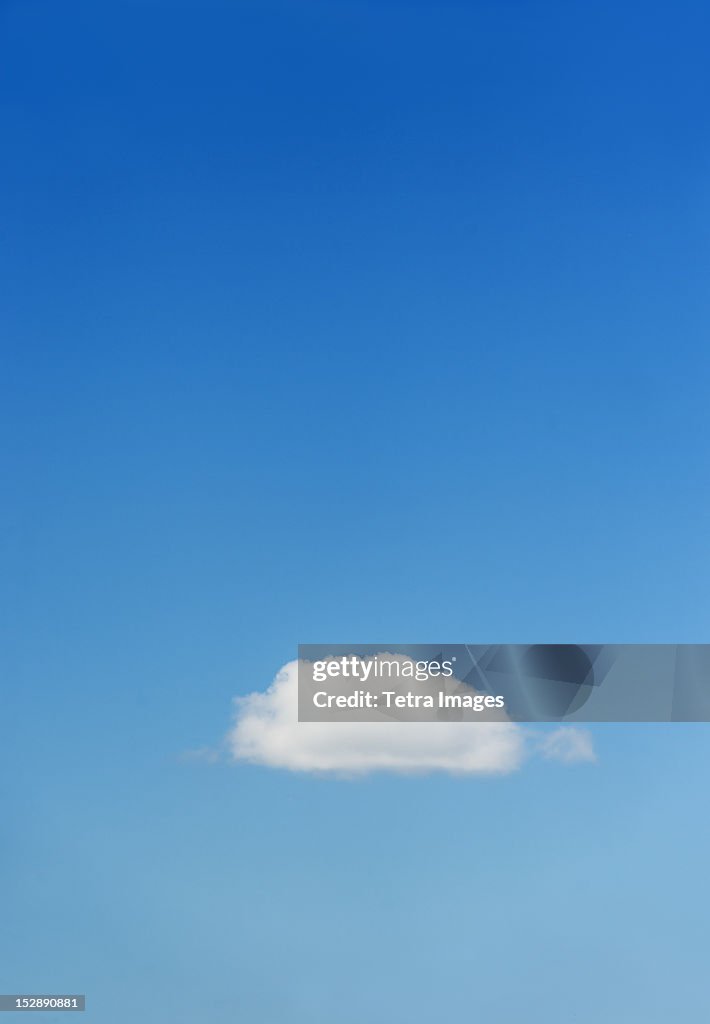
<point x="266" y="731"/>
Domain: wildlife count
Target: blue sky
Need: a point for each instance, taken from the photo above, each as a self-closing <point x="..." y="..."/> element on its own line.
<point x="346" y="322"/>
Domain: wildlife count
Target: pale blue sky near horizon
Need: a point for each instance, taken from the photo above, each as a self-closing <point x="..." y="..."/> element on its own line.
<point x="346" y="322"/>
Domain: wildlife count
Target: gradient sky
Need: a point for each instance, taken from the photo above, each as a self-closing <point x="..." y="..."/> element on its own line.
<point x="347" y="322"/>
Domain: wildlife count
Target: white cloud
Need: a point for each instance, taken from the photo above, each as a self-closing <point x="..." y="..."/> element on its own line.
<point x="266" y="731"/>
<point x="568" y="744"/>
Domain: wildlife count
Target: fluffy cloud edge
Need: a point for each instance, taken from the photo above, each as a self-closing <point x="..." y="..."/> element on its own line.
<point x="568" y="744"/>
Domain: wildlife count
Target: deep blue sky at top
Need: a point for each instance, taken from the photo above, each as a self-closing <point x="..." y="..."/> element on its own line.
<point x="335" y="321"/>
<point x="316" y="313"/>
